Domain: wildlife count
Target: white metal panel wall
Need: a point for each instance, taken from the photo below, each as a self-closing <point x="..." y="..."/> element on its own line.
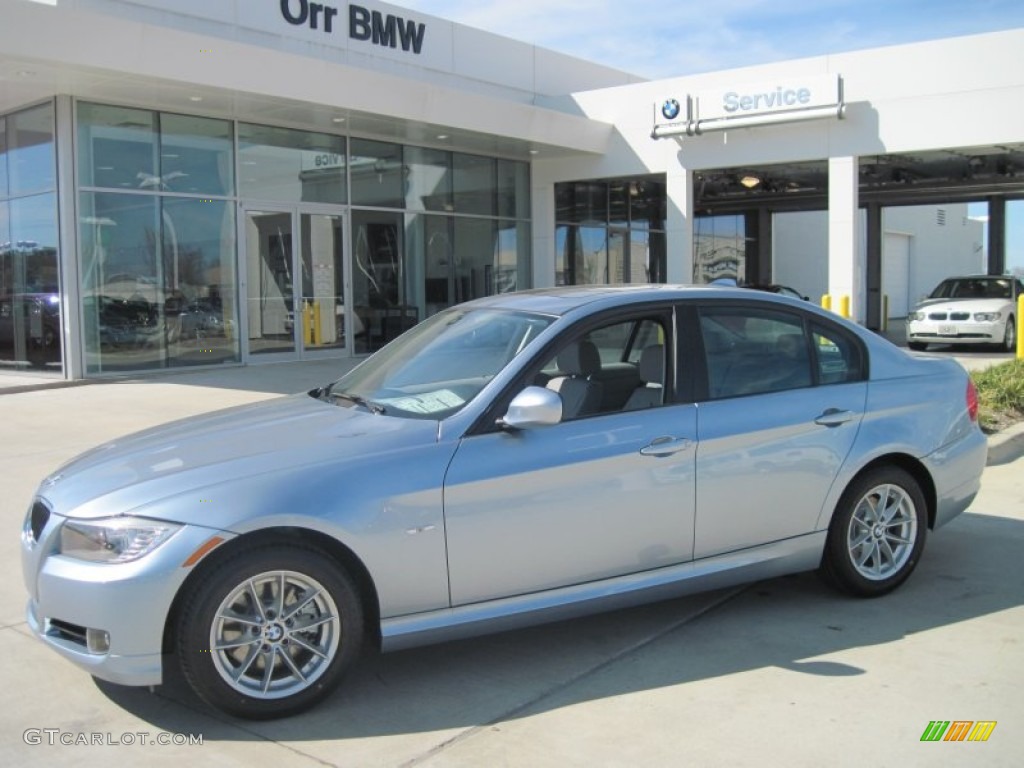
<point x="896" y="272"/>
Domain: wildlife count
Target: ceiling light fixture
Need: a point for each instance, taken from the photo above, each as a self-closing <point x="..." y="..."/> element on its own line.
<point x="750" y="181"/>
<point x="337" y="119"/>
<point x="442" y="136"/>
<point x="195" y="98"/>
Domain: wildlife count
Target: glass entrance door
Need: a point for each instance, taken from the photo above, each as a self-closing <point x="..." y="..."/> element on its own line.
<point x="295" y="284"/>
<point x="321" y="304"/>
<point x="270" y="283"/>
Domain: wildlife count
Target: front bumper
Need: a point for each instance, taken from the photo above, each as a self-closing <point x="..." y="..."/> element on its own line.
<point x="956" y="331"/>
<point x="129" y="602"/>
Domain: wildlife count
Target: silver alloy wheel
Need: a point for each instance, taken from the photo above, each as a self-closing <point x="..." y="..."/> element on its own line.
<point x="1010" y="337"/>
<point x="882" y="532"/>
<point x="275" y="634"/>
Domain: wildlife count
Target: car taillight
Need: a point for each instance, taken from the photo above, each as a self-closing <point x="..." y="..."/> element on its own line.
<point x="972" y="400"/>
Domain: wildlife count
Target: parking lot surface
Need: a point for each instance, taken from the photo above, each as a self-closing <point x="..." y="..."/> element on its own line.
<point x="783" y="672"/>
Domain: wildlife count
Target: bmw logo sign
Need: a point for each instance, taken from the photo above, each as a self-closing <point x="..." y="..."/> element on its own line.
<point x="670" y="109"/>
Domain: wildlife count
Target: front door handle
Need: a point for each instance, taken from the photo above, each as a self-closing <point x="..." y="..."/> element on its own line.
<point x="833" y="417"/>
<point x="665" y="446"/>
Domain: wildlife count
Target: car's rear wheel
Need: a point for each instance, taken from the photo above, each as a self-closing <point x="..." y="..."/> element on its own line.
<point x="1010" y="335"/>
<point x="269" y="632"/>
<point x="917" y="346"/>
<point x="877" y="533"/>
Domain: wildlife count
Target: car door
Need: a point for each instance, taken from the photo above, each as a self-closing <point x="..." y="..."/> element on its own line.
<point x="784" y="400"/>
<point x="601" y="494"/>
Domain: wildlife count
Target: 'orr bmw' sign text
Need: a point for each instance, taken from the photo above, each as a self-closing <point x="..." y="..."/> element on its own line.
<point x="759" y="104"/>
<point x="387" y="31"/>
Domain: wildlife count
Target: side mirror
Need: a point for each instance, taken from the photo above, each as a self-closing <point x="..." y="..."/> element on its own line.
<point x="533" y="407"/>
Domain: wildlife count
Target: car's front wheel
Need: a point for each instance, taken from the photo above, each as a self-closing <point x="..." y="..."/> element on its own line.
<point x="1010" y="335"/>
<point x="270" y="631"/>
<point x="877" y="533"/>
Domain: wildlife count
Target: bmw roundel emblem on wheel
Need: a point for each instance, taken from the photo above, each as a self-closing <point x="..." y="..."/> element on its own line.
<point x="670" y="109"/>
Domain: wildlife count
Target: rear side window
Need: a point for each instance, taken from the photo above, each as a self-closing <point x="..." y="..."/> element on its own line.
<point x="838" y="357"/>
<point x="753" y="351"/>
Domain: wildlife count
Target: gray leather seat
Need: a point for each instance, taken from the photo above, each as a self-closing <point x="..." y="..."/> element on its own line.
<point x="652" y="374"/>
<point x="580" y="394"/>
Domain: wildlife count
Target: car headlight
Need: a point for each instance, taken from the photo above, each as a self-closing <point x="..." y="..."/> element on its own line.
<point x="915" y="316"/>
<point x="987" y="317"/>
<point x="113" y="540"/>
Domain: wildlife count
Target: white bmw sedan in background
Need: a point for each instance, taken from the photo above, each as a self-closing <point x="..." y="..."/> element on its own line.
<point x="980" y="309"/>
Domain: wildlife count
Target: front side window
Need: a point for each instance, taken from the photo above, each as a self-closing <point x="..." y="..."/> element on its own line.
<point x="617" y="367"/>
<point x="438" y="367"/>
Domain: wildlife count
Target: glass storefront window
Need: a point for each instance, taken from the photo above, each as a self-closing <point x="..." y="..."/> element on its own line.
<point x="117" y="148"/>
<point x="1015" y="237"/>
<point x="512" y="257"/>
<point x="475" y="258"/>
<point x="3" y="159"/>
<point x="719" y="248"/>
<point x="380" y="290"/>
<point x="475" y="184"/>
<point x="286" y="165"/>
<point x="647" y="204"/>
<point x="377" y="174"/>
<point x="618" y="204"/>
<point x="158" y="281"/>
<point x="513" y="189"/>
<point x="429" y="186"/>
<point x="196" y="156"/>
<point x="31" y="163"/>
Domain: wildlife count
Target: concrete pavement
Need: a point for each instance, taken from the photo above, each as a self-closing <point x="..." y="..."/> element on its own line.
<point x="783" y="672"/>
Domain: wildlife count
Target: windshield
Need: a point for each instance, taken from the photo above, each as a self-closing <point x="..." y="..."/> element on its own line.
<point x="974" y="288"/>
<point x="435" y="369"/>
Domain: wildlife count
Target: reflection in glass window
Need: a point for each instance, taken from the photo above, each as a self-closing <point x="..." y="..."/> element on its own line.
<point x="290" y="166"/>
<point x="31" y="162"/>
<point x="475" y="180"/>
<point x="29" y="285"/>
<point x="158" y="284"/>
<point x="3" y="159"/>
<point x="429" y="186"/>
<point x="380" y="290"/>
<point x="610" y="231"/>
<point x="582" y="255"/>
<point x="719" y="248"/>
<point x="117" y="148"/>
<point x="195" y="155"/>
<point x="377" y="175"/>
<point x="513" y="189"/>
<point x="475" y="258"/>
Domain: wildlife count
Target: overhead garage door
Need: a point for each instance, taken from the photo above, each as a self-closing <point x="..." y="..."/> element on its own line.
<point x="896" y="272"/>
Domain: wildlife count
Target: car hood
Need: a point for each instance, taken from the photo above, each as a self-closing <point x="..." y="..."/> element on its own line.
<point x="963" y="305"/>
<point x="203" y="451"/>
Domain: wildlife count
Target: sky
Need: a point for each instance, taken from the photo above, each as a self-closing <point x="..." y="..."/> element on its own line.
<point x="669" y="38"/>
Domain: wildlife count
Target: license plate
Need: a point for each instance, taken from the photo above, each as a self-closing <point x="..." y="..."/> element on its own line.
<point x="947" y="330"/>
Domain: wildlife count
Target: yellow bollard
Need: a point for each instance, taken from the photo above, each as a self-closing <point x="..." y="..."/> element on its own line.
<point x="844" y="307"/>
<point x="307" y="326"/>
<point x="1020" y="326"/>
<point x="826" y="302"/>
<point x="317" y="331"/>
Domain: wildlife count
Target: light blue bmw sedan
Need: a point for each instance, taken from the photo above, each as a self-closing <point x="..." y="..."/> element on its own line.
<point x="518" y="459"/>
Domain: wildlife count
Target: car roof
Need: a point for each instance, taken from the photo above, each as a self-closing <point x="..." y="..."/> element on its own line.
<point x="564" y="299"/>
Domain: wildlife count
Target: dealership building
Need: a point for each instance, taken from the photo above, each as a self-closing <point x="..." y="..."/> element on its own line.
<point x="207" y="182"/>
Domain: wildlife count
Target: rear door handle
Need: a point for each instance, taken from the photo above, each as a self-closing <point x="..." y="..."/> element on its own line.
<point x="665" y="446"/>
<point x="833" y="417"/>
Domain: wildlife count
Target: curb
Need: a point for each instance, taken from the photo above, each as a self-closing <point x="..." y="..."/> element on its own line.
<point x="17" y="389"/>
<point x="1006" y="445"/>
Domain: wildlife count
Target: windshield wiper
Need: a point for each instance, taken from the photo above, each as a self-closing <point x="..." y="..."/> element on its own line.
<point x="369" y="405"/>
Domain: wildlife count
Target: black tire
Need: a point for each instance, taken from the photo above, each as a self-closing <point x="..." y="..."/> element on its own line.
<point x="1010" y="335"/>
<point x="282" y="668"/>
<point x="917" y="346"/>
<point x="881" y="567"/>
